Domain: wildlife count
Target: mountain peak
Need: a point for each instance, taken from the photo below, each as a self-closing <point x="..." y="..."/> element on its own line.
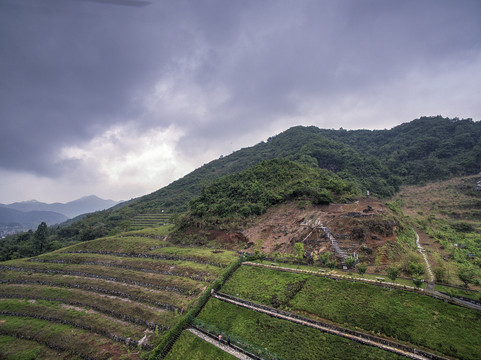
<point x="86" y="204"/>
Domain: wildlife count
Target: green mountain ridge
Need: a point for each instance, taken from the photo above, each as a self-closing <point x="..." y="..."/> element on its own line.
<point x="426" y="149"/>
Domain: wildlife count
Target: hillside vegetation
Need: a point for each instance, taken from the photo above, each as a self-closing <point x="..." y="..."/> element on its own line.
<point x="426" y="149"/>
<point x="449" y="213"/>
<point x="252" y="191"/>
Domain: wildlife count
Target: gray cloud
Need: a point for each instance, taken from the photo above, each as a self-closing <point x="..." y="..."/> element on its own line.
<point x="135" y="3"/>
<point x="225" y="74"/>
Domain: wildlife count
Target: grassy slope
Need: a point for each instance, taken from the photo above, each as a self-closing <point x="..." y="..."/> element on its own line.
<point x="417" y="319"/>
<point x="283" y="338"/>
<point x="71" y="295"/>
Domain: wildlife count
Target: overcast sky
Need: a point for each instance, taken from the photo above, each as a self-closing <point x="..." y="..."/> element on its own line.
<point x="118" y="98"/>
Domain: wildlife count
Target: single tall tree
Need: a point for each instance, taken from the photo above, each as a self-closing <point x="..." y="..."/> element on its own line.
<point x="466" y="274"/>
<point x="40" y="238"/>
<point x="299" y="251"/>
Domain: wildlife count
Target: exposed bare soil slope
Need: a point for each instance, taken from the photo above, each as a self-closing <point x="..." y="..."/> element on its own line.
<point x="360" y="227"/>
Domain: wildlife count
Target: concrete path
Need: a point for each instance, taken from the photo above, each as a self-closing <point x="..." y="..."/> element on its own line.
<point x="430" y="283"/>
<point x="223" y="347"/>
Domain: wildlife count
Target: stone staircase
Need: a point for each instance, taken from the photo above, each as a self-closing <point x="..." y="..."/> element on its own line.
<point x="341" y="253"/>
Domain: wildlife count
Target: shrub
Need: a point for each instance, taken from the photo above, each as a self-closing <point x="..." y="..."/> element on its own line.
<point x="393" y="273"/>
<point x="361" y="269"/>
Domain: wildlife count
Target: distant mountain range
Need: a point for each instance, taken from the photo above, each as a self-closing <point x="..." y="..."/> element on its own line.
<point x="28" y="214"/>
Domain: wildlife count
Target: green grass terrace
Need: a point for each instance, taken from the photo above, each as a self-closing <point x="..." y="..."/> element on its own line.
<point x="395" y="314"/>
<point x="110" y="298"/>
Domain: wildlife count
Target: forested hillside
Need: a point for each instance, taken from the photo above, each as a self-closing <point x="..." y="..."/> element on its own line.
<point x="426" y="149"/>
<point x="252" y="191"/>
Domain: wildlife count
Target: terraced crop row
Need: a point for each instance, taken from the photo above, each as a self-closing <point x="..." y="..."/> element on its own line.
<point x="151" y="220"/>
<point x="145" y="264"/>
<point x="141" y="247"/>
<point x="157" y="284"/>
<point x="63" y="337"/>
<point x="113" y="305"/>
<point x="90" y="322"/>
<point x="161" y="299"/>
<point x="174" y="257"/>
<point x="152" y="318"/>
<point x="121" y="266"/>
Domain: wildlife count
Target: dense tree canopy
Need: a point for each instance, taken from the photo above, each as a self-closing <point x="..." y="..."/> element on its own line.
<point x="252" y="191"/>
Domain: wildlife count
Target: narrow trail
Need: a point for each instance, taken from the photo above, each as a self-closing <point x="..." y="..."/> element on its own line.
<point x="428" y="267"/>
<point x="221" y="346"/>
<point x="348" y="334"/>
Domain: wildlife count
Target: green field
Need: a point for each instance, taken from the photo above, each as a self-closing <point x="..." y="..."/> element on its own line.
<point x="402" y="315"/>
<point x="19" y="349"/>
<point x="101" y="299"/>
<point x="283" y="338"/>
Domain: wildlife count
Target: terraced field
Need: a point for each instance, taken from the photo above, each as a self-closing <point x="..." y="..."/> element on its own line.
<point x="274" y="338"/>
<point x="405" y="317"/>
<point x="150" y="220"/>
<point x="109" y="298"/>
<point x="122" y="297"/>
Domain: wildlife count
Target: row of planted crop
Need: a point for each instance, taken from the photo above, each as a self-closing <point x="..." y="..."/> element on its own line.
<point x="61" y="337"/>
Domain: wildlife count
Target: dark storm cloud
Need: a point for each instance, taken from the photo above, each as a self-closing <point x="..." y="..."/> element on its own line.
<point x="72" y="69"/>
<point x="68" y="71"/>
<point x="121" y="2"/>
<point x="284" y="53"/>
